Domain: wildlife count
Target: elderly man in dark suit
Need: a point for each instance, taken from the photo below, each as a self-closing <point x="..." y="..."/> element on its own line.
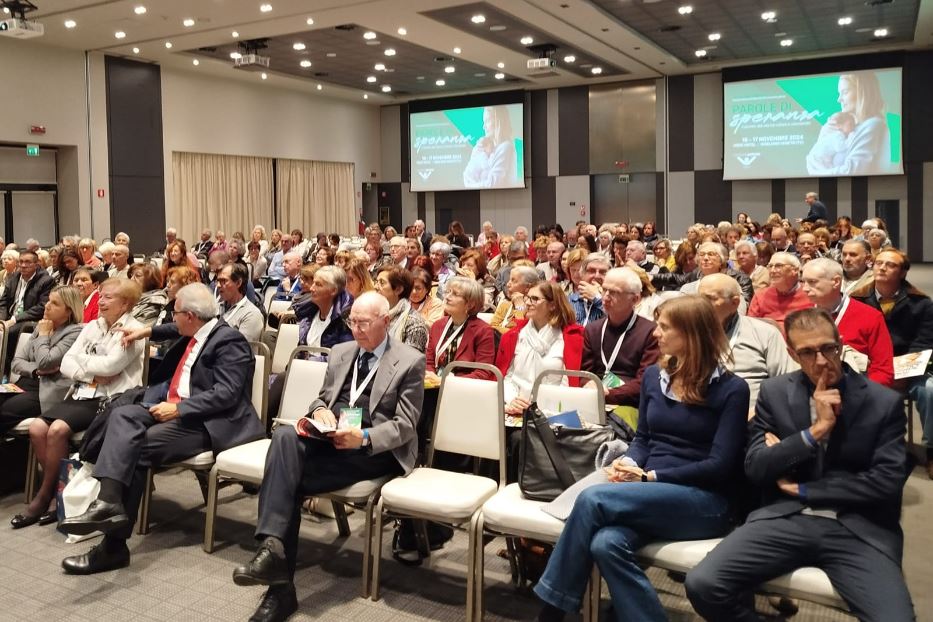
<point x="23" y="299"/>
<point x="827" y="448"/>
<point x="376" y="374"/>
<point x="199" y="400"/>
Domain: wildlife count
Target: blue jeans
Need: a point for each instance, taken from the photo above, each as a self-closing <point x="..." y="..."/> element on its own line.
<point x="609" y="523"/>
<point x="921" y="392"/>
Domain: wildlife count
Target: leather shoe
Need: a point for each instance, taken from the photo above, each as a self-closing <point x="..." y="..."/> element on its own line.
<point x="97" y="560"/>
<point x="100" y="516"/>
<point x="278" y="603"/>
<point x="266" y="568"/>
<point x="23" y="520"/>
<point x="48" y="518"/>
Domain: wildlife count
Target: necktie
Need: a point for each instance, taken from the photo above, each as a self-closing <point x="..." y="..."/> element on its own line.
<point x="364" y="362"/>
<point x="173" y="396"/>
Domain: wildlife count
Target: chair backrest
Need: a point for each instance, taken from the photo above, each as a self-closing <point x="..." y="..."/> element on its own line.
<point x="279" y="306"/>
<point x="267" y="296"/>
<point x="22" y="342"/>
<point x="590" y="403"/>
<point x="157" y="262"/>
<point x="303" y="381"/>
<point x="260" y="394"/>
<point x="470" y="416"/>
<point x="285" y="342"/>
<point x="486" y="317"/>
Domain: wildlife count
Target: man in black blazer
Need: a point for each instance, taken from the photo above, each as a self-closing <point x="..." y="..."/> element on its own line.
<point x="198" y="400"/>
<point x="23" y="299"/>
<point x="826" y="447"/>
<point x="817" y="210"/>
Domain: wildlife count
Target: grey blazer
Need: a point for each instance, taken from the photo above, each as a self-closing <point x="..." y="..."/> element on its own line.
<point x="395" y="400"/>
<point x="42" y="353"/>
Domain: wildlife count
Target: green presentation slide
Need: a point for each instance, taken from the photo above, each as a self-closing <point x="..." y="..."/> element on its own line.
<point x="825" y="125"/>
<point x="467" y="148"/>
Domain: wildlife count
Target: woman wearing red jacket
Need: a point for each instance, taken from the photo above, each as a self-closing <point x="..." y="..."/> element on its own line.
<point x="548" y="338"/>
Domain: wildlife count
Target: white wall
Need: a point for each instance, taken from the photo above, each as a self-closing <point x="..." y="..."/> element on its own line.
<point x="506" y="209"/>
<point x="390" y="130"/>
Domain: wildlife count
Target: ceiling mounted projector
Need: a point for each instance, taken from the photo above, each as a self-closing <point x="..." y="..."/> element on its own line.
<point x="21" y="28"/>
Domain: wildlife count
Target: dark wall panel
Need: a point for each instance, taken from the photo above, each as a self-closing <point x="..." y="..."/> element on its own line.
<point x="422" y="205"/>
<point x="134" y="140"/>
<point x="778" y="196"/>
<point x="463" y="205"/>
<point x="538" y="134"/>
<point x="915" y="210"/>
<point x="680" y="123"/>
<point x="390" y="195"/>
<point x="713" y="197"/>
<point x="404" y="140"/>
<point x="573" y="130"/>
<point x="543" y="200"/>
<point x="661" y="202"/>
<point x="859" y="199"/>
<point x="829" y="195"/>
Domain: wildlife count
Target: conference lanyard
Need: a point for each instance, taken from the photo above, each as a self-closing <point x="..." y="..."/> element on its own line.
<point x="842" y="309"/>
<point x="735" y="336"/>
<point x="615" y="351"/>
<point x="443" y="345"/>
<point x="357" y="390"/>
<point x="508" y="315"/>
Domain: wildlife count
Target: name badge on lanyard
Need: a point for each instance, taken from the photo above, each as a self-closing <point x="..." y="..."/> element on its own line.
<point x="615" y="351"/>
<point x="442" y="344"/>
<point x="356" y="390"/>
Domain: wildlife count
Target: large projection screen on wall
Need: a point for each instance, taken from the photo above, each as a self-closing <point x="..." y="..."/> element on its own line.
<point x="467" y="148"/>
<point x="826" y="125"/>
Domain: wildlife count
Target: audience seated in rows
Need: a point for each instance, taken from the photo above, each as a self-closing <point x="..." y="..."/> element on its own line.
<point x="784" y="295"/>
<point x="460" y="335"/>
<point x="512" y="308"/>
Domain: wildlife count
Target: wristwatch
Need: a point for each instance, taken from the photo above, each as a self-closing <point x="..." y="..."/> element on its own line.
<point x="644" y="477"/>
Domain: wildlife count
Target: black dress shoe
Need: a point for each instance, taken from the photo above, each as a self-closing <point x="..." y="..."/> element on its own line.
<point x="48" y="518"/>
<point x="100" y="516"/>
<point x="266" y="568"/>
<point x="23" y="520"/>
<point x="97" y="560"/>
<point x="278" y="603"/>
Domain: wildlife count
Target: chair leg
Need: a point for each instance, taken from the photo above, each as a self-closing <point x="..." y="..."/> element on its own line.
<point x="210" y="513"/>
<point x="32" y="473"/>
<point x="513" y="564"/>
<point x="340" y="515"/>
<point x="202" y="477"/>
<point x="471" y="567"/>
<point x="591" y="598"/>
<point x="910" y="423"/>
<point x="142" y="522"/>
<point x="368" y="545"/>
<point x="479" y="570"/>
<point x="377" y="550"/>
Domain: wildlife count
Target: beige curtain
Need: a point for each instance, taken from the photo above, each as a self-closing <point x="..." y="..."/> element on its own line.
<point x="315" y="196"/>
<point x="229" y="193"/>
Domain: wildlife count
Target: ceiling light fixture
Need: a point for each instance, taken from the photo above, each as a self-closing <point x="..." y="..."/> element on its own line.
<point x="844" y="21"/>
<point x="195" y="62"/>
<point x="371" y="79"/>
<point x="310" y="21"/>
<point x="440" y="82"/>
<point x="700" y="53"/>
<point x="450" y="69"/>
<point x="305" y="63"/>
<point x="369" y="34"/>
<point x="365" y="95"/>
<point x="331" y="55"/>
<point x="570" y="58"/>
<point x="135" y="50"/>
<point x="140" y="10"/>
<point x="235" y="34"/>
<point x="685" y="10"/>
<point x="264" y="76"/>
<point x="320" y="87"/>
<point x="769" y="16"/>
<point x="881" y="32"/>
<point x="714" y="36"/>
<point x="596" y="70"/>
<point x="168" y="45"/>
<point x="402" y="31"/>
<point x="499" y="75"/>
<point x="265" y="8"/>
<point x="457" y="50"/>
<point x="188" y="23"/>
<point x="386" y="88"/>
<point x="119" y="34"/>
<point x="298" y="46"/>
<point x="478" y="19"/>
<point x="786" y="43"/>
<point x="389" y="52"/>
<point x="70" y="23"/>
<point x="527" y="40"/>
<point x="379" y="67"/>
<point x="236" y="55"/>
<point x="500" y="65"/>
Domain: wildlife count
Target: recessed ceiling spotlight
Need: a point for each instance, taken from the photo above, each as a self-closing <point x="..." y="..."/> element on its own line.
<point x="305" y="63"/>
<point x="70" y="23"/>
<point x="379" y="67"/>
<point x="389" y="52"/>
<point x="369" y="34"/>
<point x="570" y="58"/>
<point x="479" y="75"/>
<point x="498" y="28"/>
<point x="386" y="88"/>
<point x="135" y="50"/>
<point x="320" y="87"/>
<point x="440" y="82"/>
<point x="265" y="8"/>
<point x="140" y="10"/>
<point x="236" y="55"/>
<point x="700" y="53"/>
<point x="500" y="65"/>
<point x="457" y="50"/>
<point x="365" y="95"/>
<point x="596" y="70"/>
<point x="527" y="40"/>
<point x="881" y="32"/>
<point x="188" y="23"/>
<point x="685" y="9"/>
<point x="264" y="76"/>
<point x="714" y="36"/>
<point x="298" y="46"/>
<point x="310" y="21"/>
<point x="168" y="45"/>
<point x="371" y="79"/>
<point x="331" y="55"/>
<point x="844" y="21"/>
<point x="195" y="62"/>
<point x="499" y="75"/>
<point x="769" y="16"/>
<point x="119" y="34"/>
<point x="235" y="34"/>
<point x="786" y="43"/>
<point x="450" y="69"/>
<point x="402" y="31"/>
<point x="478" y="19"/>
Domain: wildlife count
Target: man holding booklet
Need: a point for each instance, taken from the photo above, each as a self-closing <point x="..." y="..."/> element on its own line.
<point x="362" y="426"/>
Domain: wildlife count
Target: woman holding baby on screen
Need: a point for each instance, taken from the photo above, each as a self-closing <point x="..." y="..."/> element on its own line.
<point x="492" y="162"/>
<point x="855" y="140"/>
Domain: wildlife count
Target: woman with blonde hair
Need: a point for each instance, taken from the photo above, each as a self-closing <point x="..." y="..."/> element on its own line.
<point x="674" y="481"/>
<point x="87" y="247"/>
<point x="493" y="160"/>
<point x="358" y="278"/>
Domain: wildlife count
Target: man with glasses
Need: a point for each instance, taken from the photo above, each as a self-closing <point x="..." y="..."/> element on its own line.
<point x="826" y="447"/>
<point x="784" y="295"/>
<point x="23" y="299"/>
<point x="908" y="314"/>
<point x="864" y="336"/>
<point x="587" y="301"/>
<point x="375" y="380"/>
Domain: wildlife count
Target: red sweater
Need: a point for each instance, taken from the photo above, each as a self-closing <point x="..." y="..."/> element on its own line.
<point x="90" y="310"/>
<point x="771" y="305"/>
<point x="863" y="329"/>
<point x="573" y="349"/>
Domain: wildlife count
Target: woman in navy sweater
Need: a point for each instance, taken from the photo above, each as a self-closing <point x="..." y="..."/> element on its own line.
<point x="673" y="482"/>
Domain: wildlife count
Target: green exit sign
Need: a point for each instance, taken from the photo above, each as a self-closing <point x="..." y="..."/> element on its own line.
<point x="32" y="151"/>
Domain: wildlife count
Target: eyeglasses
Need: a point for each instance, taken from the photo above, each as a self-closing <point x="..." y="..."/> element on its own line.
<point x="778" y="266"/>
<point x="828" y="350"/>
<point x="535" y="299"/>
<point x="362" y="324"/>
<point x="890" y="265"/>
<point x="615" y="293"/>
<point x="222" y="281"/>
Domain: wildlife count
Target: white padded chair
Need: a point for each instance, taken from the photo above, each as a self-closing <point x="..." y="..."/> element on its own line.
<point x="486" y="317"/>
<point x="275" y="306"/>
<point x="589" y="402"/>
<point x="285" y="344"/>
<point x="247" y="463"/>
<point x="204" y="461"/>
<point x="469" y="421"/>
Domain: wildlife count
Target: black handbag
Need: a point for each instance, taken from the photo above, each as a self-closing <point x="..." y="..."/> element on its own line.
<point x="553" y="458"/>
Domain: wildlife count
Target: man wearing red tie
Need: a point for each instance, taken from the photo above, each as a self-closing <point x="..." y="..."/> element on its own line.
<point x="199" y="400"/>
